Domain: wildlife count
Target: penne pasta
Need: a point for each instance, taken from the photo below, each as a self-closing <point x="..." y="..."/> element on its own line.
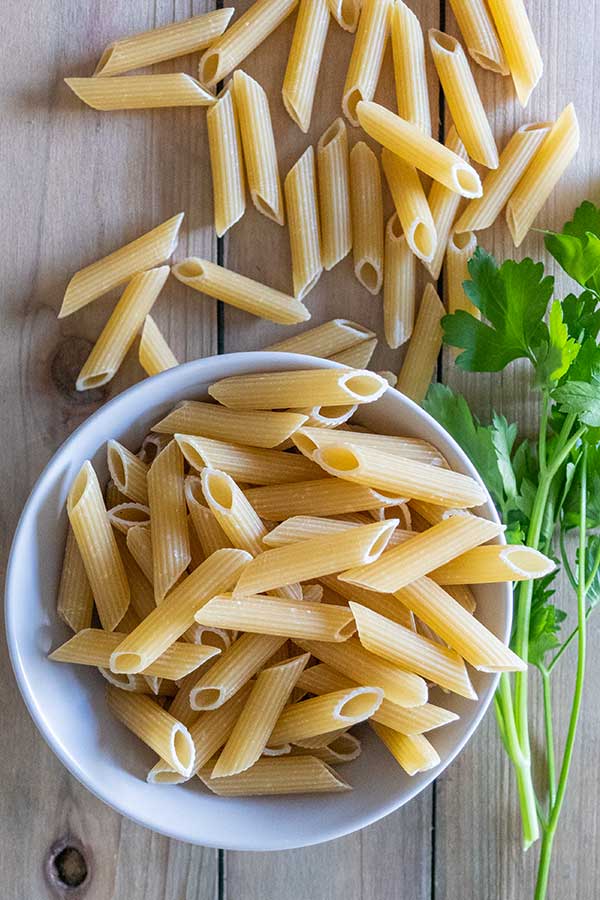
<point x="136" y="684"/>
<point x="112" y="495"/>
<point x="461" y="248"/>
<point x="408" y="47"/>
<point x="154" y="354"/>
<point x="244" y="36"/>
<point x="97" y="279"/>
<point x="128" y="515"/>
<point x="343" y="748"/>
<point x="282" y="390"/>
<point x="480" y="35"/>
<point x="462" y="97"/>
<point x="139" y="544"/>
<point x="308" y="440"/>
<point x="463" y="594"/>
<point x="420" y="360"/>
<point x="252" y="730"/>
<point x="128" y="472"/>
<point x="259" y="429"/>
<point x="411" y="651"/>
<point x="385" y="604"/>
<point x="413" y="752"/>
<point x="300" y="188"/>
<point x="520" y="47"/>
<point x="411" y="205"/>
<point x="225" y="148"/>
<point x="286" y="775"/>
<point x="239" y="291"/>
<point x="326" y="496"/>
<point x="303" y="528"/>
<point x="367" y="55"/>
<point x="142" y="593"/>
<point x="366" y="200"/>
<point x="358" y="356"/>
<point x="327" y="339"/>
<point x="140" y="91"/>
<point x="333" y="169"/>
<point x="304" y="61"/>
<point x="169" y="532"/>
<point x="543" y="174"/>
<point x="399" y="285"/>
<point x="151" y="447"/>
<point x="351" y="659"/>
<point x="258" y="143"/>
<point x="444" y="205"/>
<point x="391" y="379"/>
<point x="499" y="185"/>
<point x="75" y="603"/>
<point x="431" y="513"/>
<point x="168" y="621"/>
<point x="234" y="668"/>
<point x="487" y="565"/>
<point x="328" y="416"/>
<point x="313" y="558"/>
<point x="254" y="465"/>
<point x="119" y="332"/>
<point x="417" y="149"/>
<point x="156" y="727"/>
<point x="345" y="13"/>
<point x="210" y="534"/>
<point x="160" y="44"/>
<point x="458" y="628"/>
<point x="312" y="593"/>
<point x="326" y="713"/>
<point x="98" y="548"/>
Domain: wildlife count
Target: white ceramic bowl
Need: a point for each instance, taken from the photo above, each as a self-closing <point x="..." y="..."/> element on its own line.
<point x="67" y="702"/>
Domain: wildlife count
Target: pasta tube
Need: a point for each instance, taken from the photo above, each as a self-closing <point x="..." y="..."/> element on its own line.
<point x="170" y="538"/>
<point x="308" y="439"/>
<point x="360" y="355"/>
<point x="326" y="496"/>
<point x="326" y="713"/>
<point x="486" y="565"/>
<point x="140" y="91"/>
<point x="367" y="55"/>
<point x="304" y="61"/>
<point x="480" y="36"/>
<point x="411" y="205"/>
<point x="155" y="355"/>
<point x="333" y="168"/>
<point x="286" y="775"/>
<point x="426" y="342"/>
<point x="225" y="148"/>
<point x="325" y="340"/>
<point x="75" y="603"/>
<point x="520" y="46"/>
<point x="127" y="471"/>
<point x="300" y="188"/>
<point x="284" y="390"/>
<point x="413" y="752"/>
<point x="444" y="204"/>
<point x="399" y="285"/>
<point x="258" y="429"/>
<point x="345" y="13"/>
<point x="412" y="94"/>
<point x="461" y="248"/>
<point x="248" y="464"/>
<point x="367" y="217"/>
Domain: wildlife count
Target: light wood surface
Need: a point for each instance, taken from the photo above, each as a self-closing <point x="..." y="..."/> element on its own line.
<point x="75" y="185"/>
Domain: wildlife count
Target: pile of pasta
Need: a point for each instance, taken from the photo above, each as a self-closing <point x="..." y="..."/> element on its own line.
<point x="263" y="583"/>
<point x="332" y="198"/>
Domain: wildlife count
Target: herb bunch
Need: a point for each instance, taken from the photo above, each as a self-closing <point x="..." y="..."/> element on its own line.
<point x="544" y="489"/>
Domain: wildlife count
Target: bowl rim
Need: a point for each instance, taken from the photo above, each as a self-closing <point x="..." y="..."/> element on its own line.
<point x="189" y="373"/>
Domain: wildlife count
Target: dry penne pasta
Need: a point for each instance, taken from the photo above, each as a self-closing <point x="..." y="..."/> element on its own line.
<point x="254" y="465"/>
<point x="462" y="97"/>
<point x="408" y="46"/>
<point x="258" y="143"/>
<point x="409" y="143"/>
<point x="420" y="360"/>
<point x="520" y="46"/>
<point x="327" y="496"/>
<point x="366" y="200"/>
<point x="136" y="684"/>
<point x="411" y="205"/>
<point x="151" y="447"/>
<point x="313" y="593"/>
<point x="343" y="748"/>
<point x="391" y="379"/>
<point x="358" y="356"/>
<point x="367" y="55"/>
<point x="351" y="659"/>
<point x="234" y="668"/>
<point x="345" y="13"/>
<point x="169" y="531"/>
<point x="258" y="429"/>
<point x="432" y="514"/>
<point x="283" y="775"/>
<point x="128" y="515"/>
<point x="227" y="167"/>
<point x="142" y="593"/>
<point x="98" y="547"/>
<point x="444" y="205"/>
<point x="168" y="622"/>
<point x="414" y="752"/>
<point x="463" y="594"/>
<point x="341" y="709"/>
<point x="324" y="340"/>
<point x="480" y="36"/>
<point x="399" y="285"/>
<point x="239" y="291"/>
<point x="210" y="534"/>
<point x="139" y="544"/>
<point x="543" y="173"/>
<point x="486" y="565"/>
<point x="461" y="248"/>
<point x="113" y="496"/>
<point x="308" y="439"/>
<point x="97" y="279"/>
<point x="141" y="91"/>
<point x="283" y="390"/>
<point x="304" y="61"/>
<point x="385" y="604"/>
<point x="244" y="36"/>
<point x="253" y="729"/>
<point x="333" y="169"/>
<point x="328" y="416"/>
<point x="499" y="184"/>
<point x="154" y="353"/>
<point x="127" y="471"/>
<point x="168" y="42"/>
<point x="300" y="188"/>
<point x="75" y="603"/>
<point x="412" y="651"/>
<point x="302" y="528"/>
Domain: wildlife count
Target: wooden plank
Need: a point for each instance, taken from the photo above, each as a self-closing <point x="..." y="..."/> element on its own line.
<point x="77" y="184"/>
<point x="478" y="854"/>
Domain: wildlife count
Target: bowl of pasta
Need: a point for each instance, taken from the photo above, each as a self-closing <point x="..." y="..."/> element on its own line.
<point x="246" y="602"/>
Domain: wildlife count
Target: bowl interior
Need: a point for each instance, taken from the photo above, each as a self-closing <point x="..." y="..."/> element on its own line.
<point x="67" y="702"/>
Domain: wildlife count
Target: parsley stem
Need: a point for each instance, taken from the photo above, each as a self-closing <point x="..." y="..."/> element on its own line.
<point x="549" y="732"/>
<point x="568" y="641"/>
<point x="543" y="433"/>
<point x="565" y="560"/>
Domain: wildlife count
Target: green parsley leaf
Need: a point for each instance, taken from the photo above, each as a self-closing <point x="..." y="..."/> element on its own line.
<point x="503" y="439"/>
<point x="561" y="349"/>
<point x="545" y="621"/>
<point x="592" y="553"/>
<point x="577" y="247"/>
<point x="581" y="398"/>
<point x="581" y="316"/>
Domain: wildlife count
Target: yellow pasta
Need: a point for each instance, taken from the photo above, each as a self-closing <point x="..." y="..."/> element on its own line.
<point x="250" y="464"/>
<point x="367" y="217"/>
<point x="408" y="46"/>
<point x="112" y="495"/>
<point x="304" y="61"/>
<point x="142" y="593"/>
<point x="127" y="471"/>
<point x="308" y="439"/>
<point x="486" y="565"/>
<point x="244" y="36"/>
<point x="399" y="285"/>
<point x="168" y="621"/>
<point x="343" y="748"/>
<point x="300" y="188"/>
<point x="284" y="390"/>
<point x="258" y="429"/>
<point x="480" y="36"/>
<point x="426" y="342"/>
<point x="367" y="55"/>
<point x="234" y="668"/>
<point x="168" y="42"/>
<point x="385" y="604"/>
<point x="444" y="204"/>
<point x="155" y="355"/>
<point x="328" y="416"/>
<point x="519" y="44"/>
<point x="225" y="147"/>
<point x="499" y="185"/>
<point x="409" y="143"/>
<point x="170" y="539"/>
<point x="98" y="548"/>
<point x="210" y="534"/>
<point x="286" y="775"/>
<point x="358" y="356"/>
<point x="128" y="515"/>
<point x="413" y="752"/>
<point x="139" y="544"/>
<point x="345" y="13"/>
<point x="326" y="496"/>
<point x="75" y="603"/>
<point x="333" y="168"/>
<point x="461" y="248"/>
<point x="411" y="205"/>
<point x="324" y="340"/>
<point x="140" y="91"/>
<point x="97" y="279"/>
<point x="391" y="379"/>
<point x="462" y="97"/>
<point x="156" y="727"/>
<point x="458" y="628"/>
<point x="543" y="174"/>
<point x="326" y="713"/>
<point x="463" y="594"/>
<point x="432" y="513"/>
<point x="302" y="528"/>
<point x="151" y="447"/>
<point x="240" y="291"/>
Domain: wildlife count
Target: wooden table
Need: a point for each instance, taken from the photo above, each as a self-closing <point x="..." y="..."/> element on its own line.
<point x="77" y="184"/>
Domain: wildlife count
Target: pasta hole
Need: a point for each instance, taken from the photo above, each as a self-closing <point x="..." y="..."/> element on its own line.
<point x="346" y="630"/>
<point x="468" y="181"/>
<point x="395" y="228"/>
<point x="116" y="465"/>
<point x="167" y="778"/>
<point x="93" y="381"/>
<point x="461" y="240"/>
<point x="305" y="444"/>
<point x="380" y="543"/>
<point x="526" y="560"/>
<point x="209" y="67"/>
<point x="331" y="413"/>
<point x="369" y="276"/>
<point x="444" y="41"/>
<point x="265" y="208"/>
<point x="340" y="458"/>
<point x="131" y="513"/>
<point x="191" y="268"/>
<point x="205" y="698"/>
<point x="352" y="101"/>
<point x="487" y="62"/>
<point x="536" y="126"/>
<point x="183" y="748"/>
<point x="343" y="744"/>
<point x="79" y="486"/>
<point x="193" y="490"/>
<point x="126" y="662"/>
<point x="359" y="705"/>
<point x="348" y="13"/>
<point x="333" y="132"/>
<point x="362" y="385"/>
<point x="209" y="638"/>
<point x="193" y="456"/>
<point x="218" y="488"/>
